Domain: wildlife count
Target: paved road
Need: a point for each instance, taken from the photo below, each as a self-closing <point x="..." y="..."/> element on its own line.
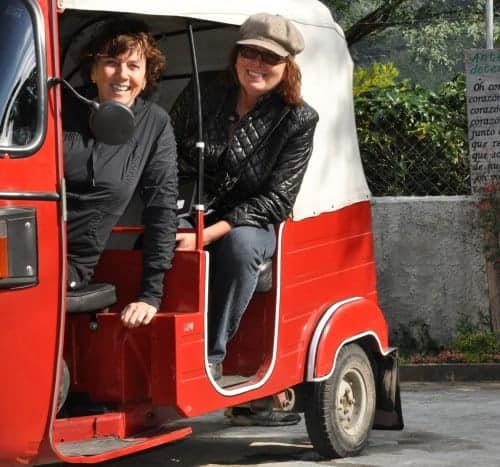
<point x="446" y="425"/>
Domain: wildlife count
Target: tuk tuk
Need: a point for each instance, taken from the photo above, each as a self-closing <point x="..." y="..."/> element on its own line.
<point x="313" y="329"/>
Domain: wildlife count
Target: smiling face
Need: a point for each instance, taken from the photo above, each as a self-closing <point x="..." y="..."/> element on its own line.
<point x="120" y="78"/>
<point x="257" y="77"/>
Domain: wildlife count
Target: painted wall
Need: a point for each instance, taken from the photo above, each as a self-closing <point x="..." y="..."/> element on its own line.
<point x="430" y="266"/>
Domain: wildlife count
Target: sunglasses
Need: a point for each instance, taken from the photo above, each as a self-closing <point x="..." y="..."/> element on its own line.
<point x="266" y="57"/>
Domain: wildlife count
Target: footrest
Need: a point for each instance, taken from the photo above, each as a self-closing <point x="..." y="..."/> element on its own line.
<point x="82" y="438"/>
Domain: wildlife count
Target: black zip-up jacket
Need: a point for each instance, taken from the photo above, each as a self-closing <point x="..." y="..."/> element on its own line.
<point x="253" y="177"/>
<point x="100" y="182"/>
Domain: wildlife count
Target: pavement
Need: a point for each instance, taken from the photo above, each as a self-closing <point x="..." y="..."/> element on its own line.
<point x="455" y="424"/>
<point x="450" y="372"/>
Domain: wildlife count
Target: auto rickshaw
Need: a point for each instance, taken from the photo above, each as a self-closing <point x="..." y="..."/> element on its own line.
<point x="78" y="387"/>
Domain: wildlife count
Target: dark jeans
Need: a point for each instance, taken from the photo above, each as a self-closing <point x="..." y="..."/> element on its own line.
<point x="234" y="268"/>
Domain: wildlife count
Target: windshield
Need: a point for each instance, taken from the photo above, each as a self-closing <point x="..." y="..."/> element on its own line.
<point x="19" y="89"/>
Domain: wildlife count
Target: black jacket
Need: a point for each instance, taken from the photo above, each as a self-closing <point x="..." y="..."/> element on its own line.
<point x="253" y="177"/>
<point x="100" y="182"/>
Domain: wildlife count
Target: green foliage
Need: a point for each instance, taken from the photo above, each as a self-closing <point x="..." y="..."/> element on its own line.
<point x="348" y="12"/>
<point x="478" y="342"/>
<point x="472" y="344"/>
<point x="413" y="141"/>
<point x="476" y="345"/>
<point x="465" y="326"/>
<point x="441" y="45"/>
<point x="381" y="75"/>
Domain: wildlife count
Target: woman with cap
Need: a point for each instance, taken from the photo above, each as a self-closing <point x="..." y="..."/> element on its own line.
<point x="258" y="135"/>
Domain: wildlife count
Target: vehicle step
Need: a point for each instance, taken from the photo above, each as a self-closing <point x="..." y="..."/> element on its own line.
<point x="109" y="447"/>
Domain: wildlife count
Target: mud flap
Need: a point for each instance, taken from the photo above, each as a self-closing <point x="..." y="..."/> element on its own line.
<point x="388" y="415"/>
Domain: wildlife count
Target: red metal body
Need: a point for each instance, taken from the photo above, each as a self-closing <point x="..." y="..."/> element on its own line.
<point x="323" y="295"/>
<point x="157" y="374"/>
<point x="31" y="317"/>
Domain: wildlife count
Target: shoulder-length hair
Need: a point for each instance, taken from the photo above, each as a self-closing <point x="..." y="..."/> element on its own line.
<point x="117" y="37"/>
<point x="290" y="86"/>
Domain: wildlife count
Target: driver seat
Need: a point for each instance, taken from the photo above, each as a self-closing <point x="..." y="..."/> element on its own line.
<point x="91" y="298"/>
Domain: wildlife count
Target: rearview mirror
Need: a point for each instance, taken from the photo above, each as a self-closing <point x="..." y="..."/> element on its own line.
<point x="111" y="122"/>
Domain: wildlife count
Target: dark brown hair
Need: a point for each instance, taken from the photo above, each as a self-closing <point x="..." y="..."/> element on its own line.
<point x="120" y="36"/>
<point x="290" y="86"/>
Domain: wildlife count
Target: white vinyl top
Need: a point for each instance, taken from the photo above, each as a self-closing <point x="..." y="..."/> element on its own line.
<point x="334" y="177"/>
<point x="221" y="11"/>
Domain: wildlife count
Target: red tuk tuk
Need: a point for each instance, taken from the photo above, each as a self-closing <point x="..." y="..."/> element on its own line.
<point x="314" y="326"/>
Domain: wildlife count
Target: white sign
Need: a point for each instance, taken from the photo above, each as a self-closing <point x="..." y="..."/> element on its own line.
<point x="482" y="68"/>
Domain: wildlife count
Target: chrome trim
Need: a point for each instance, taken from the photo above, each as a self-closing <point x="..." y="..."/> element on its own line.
<point x="64" y="207"/>
<point x="30" y="195"/>
<point x="313" y="348"/>
<point x="318" y="332"/>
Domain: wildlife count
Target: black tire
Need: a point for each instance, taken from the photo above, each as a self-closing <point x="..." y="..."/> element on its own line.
<point x="339" y="415"/>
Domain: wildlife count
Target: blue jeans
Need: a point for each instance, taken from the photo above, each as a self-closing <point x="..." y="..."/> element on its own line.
<point x="234" y="264"/>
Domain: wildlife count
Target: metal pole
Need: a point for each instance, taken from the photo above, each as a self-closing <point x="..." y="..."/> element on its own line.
<point x="200" y="146"/>
<point x="489" y="24"/>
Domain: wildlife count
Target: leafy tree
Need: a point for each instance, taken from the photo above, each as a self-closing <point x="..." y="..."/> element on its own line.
<point x="434" y="31"/>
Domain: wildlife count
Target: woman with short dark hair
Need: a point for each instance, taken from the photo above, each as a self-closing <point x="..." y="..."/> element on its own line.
<point x="120" y="62"/>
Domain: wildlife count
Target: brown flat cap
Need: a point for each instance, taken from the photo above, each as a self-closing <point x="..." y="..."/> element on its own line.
<point x="272" y="32"/>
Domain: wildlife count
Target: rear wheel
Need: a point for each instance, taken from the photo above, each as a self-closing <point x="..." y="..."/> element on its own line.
<point x="340" y="413"/>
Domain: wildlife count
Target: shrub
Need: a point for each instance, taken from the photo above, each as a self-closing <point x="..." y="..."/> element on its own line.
<point x="476" y="345"/>
<point x="413" y="141"/>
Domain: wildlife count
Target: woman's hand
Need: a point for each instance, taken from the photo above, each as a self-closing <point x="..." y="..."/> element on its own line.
<point x="137" y="313"/>
<point x="185" y="241"/>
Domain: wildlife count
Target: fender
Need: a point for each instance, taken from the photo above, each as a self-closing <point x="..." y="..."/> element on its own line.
<point x="344" y="322"/>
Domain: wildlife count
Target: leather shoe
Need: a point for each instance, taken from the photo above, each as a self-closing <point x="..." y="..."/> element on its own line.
<point x="215" y="370"/>
<point x="242" y="416"/>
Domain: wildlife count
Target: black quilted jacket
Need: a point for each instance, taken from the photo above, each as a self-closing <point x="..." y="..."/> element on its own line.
<point x="253" y="177"/>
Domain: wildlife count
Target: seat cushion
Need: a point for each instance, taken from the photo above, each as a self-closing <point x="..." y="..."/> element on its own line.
<point x="93" y="297"/>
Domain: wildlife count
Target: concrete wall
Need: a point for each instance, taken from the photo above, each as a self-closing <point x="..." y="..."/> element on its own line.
<point x="430" y="266"/>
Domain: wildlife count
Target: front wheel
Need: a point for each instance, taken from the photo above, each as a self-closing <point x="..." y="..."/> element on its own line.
<point x="340" y="413"/>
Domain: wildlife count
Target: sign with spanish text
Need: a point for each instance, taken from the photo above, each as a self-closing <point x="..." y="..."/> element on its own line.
<point x="482" y="68"/>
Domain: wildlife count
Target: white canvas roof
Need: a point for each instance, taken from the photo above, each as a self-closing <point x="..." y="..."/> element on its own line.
<point x="334" y="177"/>
<point x="221" y="11"/>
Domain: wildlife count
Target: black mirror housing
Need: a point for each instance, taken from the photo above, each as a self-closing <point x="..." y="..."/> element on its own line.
<point x="112" y="123"/>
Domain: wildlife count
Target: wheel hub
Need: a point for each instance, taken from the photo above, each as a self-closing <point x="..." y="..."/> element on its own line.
<point x="351" y="401"/>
